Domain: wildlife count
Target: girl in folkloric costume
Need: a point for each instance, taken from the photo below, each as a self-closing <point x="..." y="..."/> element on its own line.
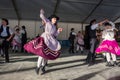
<point x="80" y="42"/>
<point x="16" y="40"/>
<point x="48" y="47"/>
<point x="109" y="46"/>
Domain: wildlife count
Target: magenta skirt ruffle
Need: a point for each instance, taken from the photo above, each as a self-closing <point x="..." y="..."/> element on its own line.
<point x="15" y="43"/>
<point x="108" y="46"/>
<point x="38" y="47"/>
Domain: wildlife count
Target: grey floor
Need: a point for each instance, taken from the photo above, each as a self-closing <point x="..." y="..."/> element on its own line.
<point x="66" y="67"/>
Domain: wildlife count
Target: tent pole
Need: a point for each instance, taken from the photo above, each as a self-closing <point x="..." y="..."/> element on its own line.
<point x="92" y="11"/>
<point x="18" y="22"/>
<point x="16" y="10"/>
<point x="82" y="28"/>
<point x="56" y="6"/>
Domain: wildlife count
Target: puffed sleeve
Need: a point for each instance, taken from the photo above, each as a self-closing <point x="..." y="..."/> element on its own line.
<point x="113" y="25"/>
<point x="42" y="16"/>
<point x="94" y="26"/>
<point x="103" y="34"/>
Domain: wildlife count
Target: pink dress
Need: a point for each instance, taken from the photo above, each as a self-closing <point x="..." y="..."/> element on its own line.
<point x="46" y="45"/>
<point x="80" y="40"/>
<point x="109" y="44"/>
<point x="17" y="40"/>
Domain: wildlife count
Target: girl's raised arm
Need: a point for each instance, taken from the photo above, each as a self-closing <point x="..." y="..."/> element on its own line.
<point x="42" y="16"/>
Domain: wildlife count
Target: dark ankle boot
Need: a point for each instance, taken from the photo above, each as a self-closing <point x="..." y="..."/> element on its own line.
<point x="73" y="52"/>
<point x="16" y="51"/>
<point x="2" y="55"/>
<point x="43" y="69"/>
<point x="109" y="64"/>
<point x="115" y="63"/>
<point x="37" y="70"/>
<point x="76" y="51"/>
<point x="81" y="52"/>
<point x="12" y="50"/>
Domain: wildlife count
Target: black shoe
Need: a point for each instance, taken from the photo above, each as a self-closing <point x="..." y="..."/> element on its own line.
<point x="115" y="63"/>
<point x="46" y="64"/>
<point x="77" y="51"/>
<point x="73" y="52"/>
<point x="37" y="70"/>
<point x="81" y="52"/>
<point x="16" y="51"/>
<point x="109" y="64"/>
<point x="91" y="64"/>
<point x="2" y="55"/>
<point x="12" y="50"/>
<point x="7" y="61"/>
<point x="43" y="69"/>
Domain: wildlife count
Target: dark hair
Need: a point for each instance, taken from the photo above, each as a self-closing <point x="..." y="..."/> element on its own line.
<point x="92" y="21"/>
<point x="72" y="29"/>
<point x="79" y="31"/>
<point x="23" y="27"/>
<point x="4" y="19"/>
<point x="17" y="29"/>
<point x="107" y="24"/>
<point x="53" y="16"/>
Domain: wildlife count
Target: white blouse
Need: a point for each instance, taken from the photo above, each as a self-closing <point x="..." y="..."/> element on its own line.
<point x="108" y="34"/>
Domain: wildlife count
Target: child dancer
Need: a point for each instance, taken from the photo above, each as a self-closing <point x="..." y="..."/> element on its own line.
<point x="80" y="42"/>
<point x="48" y="46"/>
<point x="16" y="40"/>
<point x="109" y="46"/>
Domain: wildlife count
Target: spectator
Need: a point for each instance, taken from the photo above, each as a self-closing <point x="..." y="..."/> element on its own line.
<point x="23" y="38"/>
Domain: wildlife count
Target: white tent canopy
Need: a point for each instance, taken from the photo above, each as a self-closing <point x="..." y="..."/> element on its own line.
<point x="81" y="11"/>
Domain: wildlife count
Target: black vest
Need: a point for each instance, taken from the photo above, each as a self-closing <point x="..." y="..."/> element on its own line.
<point x="7" y="30"/>
<point x="72" y="37"/>
<point x="87" y="32"/>
<point x="92" y="33"/>
<point x="24" y="36"/>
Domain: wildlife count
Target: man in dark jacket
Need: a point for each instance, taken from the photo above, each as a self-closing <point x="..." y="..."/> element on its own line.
<point x="71" y="40"/>
<point x="93" y="38"/>
<point x="23" y="38"/>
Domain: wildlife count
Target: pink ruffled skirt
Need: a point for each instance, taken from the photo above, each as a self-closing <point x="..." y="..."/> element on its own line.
<point x="38" y="47"/>
<point x="108" y="46"/>
<point x="15" y="43"/>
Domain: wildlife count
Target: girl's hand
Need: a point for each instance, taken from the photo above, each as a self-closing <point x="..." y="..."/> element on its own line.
<point x="8" y="39"/>
<point x="43" y="23"/>
<point x="42" y="11"/>
<point x="106" y="20"/>
<point x="60" y="29"/>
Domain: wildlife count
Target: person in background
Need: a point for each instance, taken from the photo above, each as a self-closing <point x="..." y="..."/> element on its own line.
<point x="87" y="36"/>
<point x="23" y="38"/>
<point x="16" y="40"/>
<point x="79" y="42"/>
<point x="6" y="36"/>
<point x="72" y="40"/>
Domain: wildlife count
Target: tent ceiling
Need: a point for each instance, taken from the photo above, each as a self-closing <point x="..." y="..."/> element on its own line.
<point x="67" y="10"/>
